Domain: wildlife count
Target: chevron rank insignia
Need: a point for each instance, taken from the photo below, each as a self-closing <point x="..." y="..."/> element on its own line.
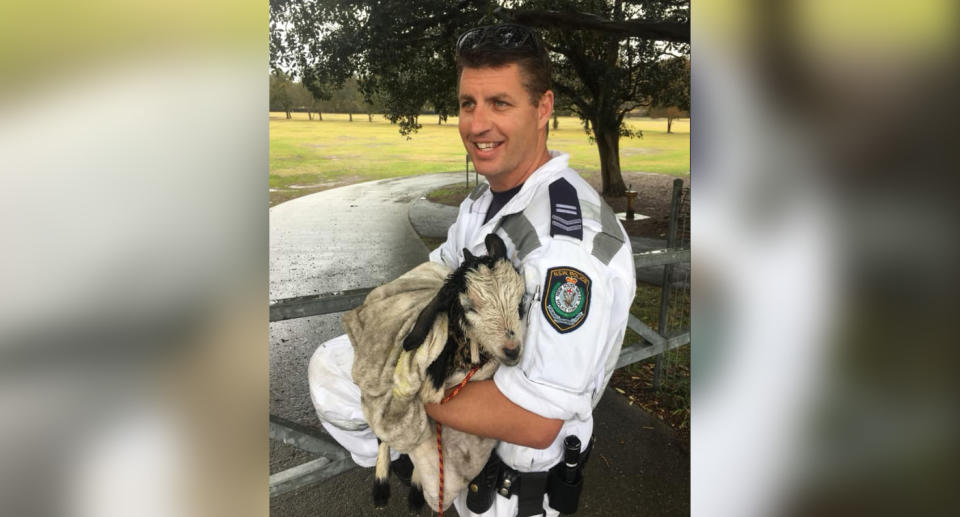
<point x="565" y="217"/>
<point x="566" y="298"/>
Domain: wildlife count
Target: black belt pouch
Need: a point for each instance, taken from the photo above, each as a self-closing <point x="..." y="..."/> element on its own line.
<point x="564" y="496"/>
<point x="482" y="490"/>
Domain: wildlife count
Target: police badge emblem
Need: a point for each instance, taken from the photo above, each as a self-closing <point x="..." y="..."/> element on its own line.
<point x="566" y="298"/>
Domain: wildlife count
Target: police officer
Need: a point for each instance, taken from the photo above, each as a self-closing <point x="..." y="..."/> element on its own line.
<point x="568" y="244"/>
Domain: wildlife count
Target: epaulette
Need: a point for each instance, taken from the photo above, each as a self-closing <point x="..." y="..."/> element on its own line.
<point x="565" y="216"/>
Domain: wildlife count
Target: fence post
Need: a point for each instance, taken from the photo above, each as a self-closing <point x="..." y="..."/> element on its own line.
<point x="667" y="273"/>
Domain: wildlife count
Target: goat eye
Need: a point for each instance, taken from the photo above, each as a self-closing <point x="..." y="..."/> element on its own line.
<point x="521" y="310"/>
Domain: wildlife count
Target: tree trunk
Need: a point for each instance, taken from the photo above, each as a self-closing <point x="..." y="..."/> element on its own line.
<point x="351" y="116"/>
<point x="319" y="116"/>
<point x="556" y="122"/>
<point x="309" y="114"/>
<point x="439" y="120"/>
<point x="369" y="117"/>
<point x="288" y="115"/>
<point x="669" y="124"/>
<point x="608" y="144"/>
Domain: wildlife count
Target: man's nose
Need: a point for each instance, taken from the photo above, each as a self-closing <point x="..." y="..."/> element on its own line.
<point x="479" y="121"/>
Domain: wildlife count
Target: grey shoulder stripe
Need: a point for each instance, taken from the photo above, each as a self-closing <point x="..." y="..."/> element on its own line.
<point x="590" y="210"/>
<point x="605" y="246"/>
<point x="479" y="190"/>
<point x="608" y="221"/>
<point x="521" y="232"/>
<point x="608" y="242"/>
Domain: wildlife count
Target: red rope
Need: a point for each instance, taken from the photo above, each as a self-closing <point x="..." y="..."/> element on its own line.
<point x="452" y="394"/>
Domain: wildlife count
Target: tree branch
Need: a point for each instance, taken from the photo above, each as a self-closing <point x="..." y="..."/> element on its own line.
<point x="659" y="31"/>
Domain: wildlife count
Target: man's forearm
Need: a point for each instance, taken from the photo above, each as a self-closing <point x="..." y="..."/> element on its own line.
<point x="480" y="408"/>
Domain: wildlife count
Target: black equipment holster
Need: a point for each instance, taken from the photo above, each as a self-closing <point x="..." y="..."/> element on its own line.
<point x="481" y="491"/>
<point x="497" y="478"/>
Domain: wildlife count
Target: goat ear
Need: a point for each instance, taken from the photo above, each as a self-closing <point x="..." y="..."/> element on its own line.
<point x="467" y="256"/>
<point x="495" y="246"/>
<point x="439" y="304"/>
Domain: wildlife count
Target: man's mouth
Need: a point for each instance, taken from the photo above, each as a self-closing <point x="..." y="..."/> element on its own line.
<point x="486" y="147"/>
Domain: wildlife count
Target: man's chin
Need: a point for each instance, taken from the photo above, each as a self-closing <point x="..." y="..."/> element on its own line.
<point x="485" y="170"/>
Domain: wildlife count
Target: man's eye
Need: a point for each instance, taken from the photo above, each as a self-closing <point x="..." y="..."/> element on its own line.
<point x="466" y="104"/>
<point x="500" y="104"/>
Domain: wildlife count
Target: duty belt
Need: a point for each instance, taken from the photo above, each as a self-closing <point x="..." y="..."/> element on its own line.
<point x="529" y="487"/>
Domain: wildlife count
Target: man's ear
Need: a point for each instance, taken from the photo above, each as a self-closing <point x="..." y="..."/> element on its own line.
<point x="545" y="109"/>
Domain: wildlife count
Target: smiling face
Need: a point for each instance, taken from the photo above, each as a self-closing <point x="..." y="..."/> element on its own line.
<point x="505" y="135"/>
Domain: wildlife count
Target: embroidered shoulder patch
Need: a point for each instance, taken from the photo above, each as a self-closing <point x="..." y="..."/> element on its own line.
<point x="566" y="298"/>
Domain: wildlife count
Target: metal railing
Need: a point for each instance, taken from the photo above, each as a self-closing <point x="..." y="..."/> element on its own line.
<point x="334" y="458"/>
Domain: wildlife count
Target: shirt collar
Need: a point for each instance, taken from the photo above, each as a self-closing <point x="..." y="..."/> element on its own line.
<point x="544" y="174"/>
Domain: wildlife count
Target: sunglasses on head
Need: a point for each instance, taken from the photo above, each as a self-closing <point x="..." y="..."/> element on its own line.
<point x="507" y="36"/>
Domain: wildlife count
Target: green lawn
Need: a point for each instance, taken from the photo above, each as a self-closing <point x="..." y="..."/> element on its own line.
<point x="322" y="154"/>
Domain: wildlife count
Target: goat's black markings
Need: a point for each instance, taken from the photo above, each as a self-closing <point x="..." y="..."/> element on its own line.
<point x="448" y="300"/>
<point x="438" y="370"/>
<point x="415" y="499"/>
<point x="453" y="357"/>
<point x="455" y="354"/>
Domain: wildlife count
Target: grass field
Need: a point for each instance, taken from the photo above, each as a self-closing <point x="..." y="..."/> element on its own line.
<point x="314" y="155"/>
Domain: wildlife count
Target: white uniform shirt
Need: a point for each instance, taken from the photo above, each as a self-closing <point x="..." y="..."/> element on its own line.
<point x="576" y="316"/>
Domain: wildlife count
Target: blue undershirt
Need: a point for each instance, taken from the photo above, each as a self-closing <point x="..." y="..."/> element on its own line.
<point x="500" y="199"/>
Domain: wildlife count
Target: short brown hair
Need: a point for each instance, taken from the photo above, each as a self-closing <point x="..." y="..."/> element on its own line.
<point x="496" y="46"/>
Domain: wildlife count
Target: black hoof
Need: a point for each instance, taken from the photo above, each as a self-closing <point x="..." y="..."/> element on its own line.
<point x="415" y="498"/>
<point x="381" y="493"/>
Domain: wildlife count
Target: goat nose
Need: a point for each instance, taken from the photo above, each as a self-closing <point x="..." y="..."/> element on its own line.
<point x="511" y="353"/>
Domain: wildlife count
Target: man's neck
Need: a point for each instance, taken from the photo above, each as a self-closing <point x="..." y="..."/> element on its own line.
<point x="513" y="181"/>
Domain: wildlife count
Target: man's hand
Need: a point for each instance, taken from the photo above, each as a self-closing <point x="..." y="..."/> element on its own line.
<point x="480" y="408"/>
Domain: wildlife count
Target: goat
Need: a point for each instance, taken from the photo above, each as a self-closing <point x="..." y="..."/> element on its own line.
<point x="483" y="301"/>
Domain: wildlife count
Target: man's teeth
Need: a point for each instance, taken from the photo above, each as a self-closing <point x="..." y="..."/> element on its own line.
<point x="486" y="145"/>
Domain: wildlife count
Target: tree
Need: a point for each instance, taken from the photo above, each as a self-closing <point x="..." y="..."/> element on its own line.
<point x="317" y="105"/>
<point x="668" y="112"/>
<point x="374" y="105"/>
<point x="281" y="93"/>
<point x="673" y="101"/>
<point x="347" y="99"/>
<point x="605" y="54"/>
<point x="287" y="95"/>
<point x="303" y="99"/>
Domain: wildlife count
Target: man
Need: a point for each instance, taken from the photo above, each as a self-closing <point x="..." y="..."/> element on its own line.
<point x="567" y="243"/>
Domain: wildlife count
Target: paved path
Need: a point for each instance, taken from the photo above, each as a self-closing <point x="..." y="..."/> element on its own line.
<point x="637" y="469"/>
<point x="343" y="238"/>
<point x="361" y="236"/>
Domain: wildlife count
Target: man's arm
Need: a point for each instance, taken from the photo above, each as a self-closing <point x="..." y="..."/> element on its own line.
<point x="480" y="408"/>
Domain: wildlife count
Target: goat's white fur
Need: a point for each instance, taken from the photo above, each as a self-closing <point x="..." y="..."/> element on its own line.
<point x="491" y="303"/>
